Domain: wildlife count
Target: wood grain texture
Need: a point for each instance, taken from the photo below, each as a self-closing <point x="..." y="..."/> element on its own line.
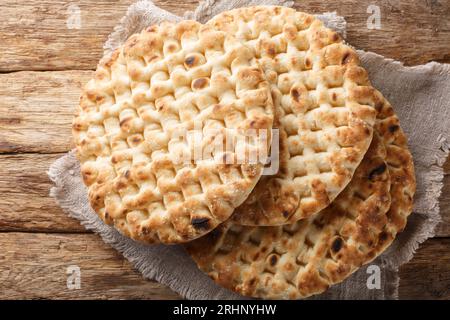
<point x="427" y="275"/>
<point x="413" y="32"/>
<point x="25" y="204"/>
<point x="36" y="110"/>
<point x="34" y="267"/>
<point x="34" y="33"/>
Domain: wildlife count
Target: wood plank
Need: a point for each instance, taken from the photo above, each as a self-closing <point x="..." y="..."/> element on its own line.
<point x="414" y="32"/>
<point x="39" y="272"/>
<point x="427" y="275"/>
<point x="34" y="33"/>
<point x="25" y="203"/>
<point x="36" y="110"/>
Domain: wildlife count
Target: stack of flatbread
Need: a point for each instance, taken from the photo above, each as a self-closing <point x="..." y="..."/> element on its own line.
<point x="180" y="128"/>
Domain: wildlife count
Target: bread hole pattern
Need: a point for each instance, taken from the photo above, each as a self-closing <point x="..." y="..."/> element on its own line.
<point x="329" y="246"/>
<point x="308" y="242"/>
<point x="165" y="78"/>
<point x="255" y="239"/>
<point x="319" y="89"/>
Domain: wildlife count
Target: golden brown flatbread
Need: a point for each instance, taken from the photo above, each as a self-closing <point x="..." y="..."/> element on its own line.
<point x="324" y="112"/>
<point x="166" y="79"/>
<point x="305" y="258"/>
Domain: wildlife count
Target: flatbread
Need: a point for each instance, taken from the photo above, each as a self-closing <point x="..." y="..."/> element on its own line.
<point x="305" y="258"/>
<point x="324" y="113"/>
<point x="167" y="79"/>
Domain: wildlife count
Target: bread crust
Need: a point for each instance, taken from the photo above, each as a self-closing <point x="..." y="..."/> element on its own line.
<point x="325" y="110"/>
<point x="305" y="258"/>
<point x="166" y="79"/>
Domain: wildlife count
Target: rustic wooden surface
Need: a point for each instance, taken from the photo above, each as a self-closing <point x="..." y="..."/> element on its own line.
<point x="420" y="28"/>
<point x="42" y="68"/>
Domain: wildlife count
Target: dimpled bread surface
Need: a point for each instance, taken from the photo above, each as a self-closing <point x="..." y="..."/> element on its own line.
<point x="307" y="257"/>
<point x="325" y="112"/>
<point x="166" y="79"/>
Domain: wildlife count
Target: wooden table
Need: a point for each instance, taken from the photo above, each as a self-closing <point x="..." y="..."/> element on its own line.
<point x="43" y="66"/>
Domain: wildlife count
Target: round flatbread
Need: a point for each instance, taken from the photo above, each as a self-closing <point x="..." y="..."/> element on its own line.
<point x="305" y="258"/>
<point x="133" y="131"/>
<point x="324" y="113"/>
